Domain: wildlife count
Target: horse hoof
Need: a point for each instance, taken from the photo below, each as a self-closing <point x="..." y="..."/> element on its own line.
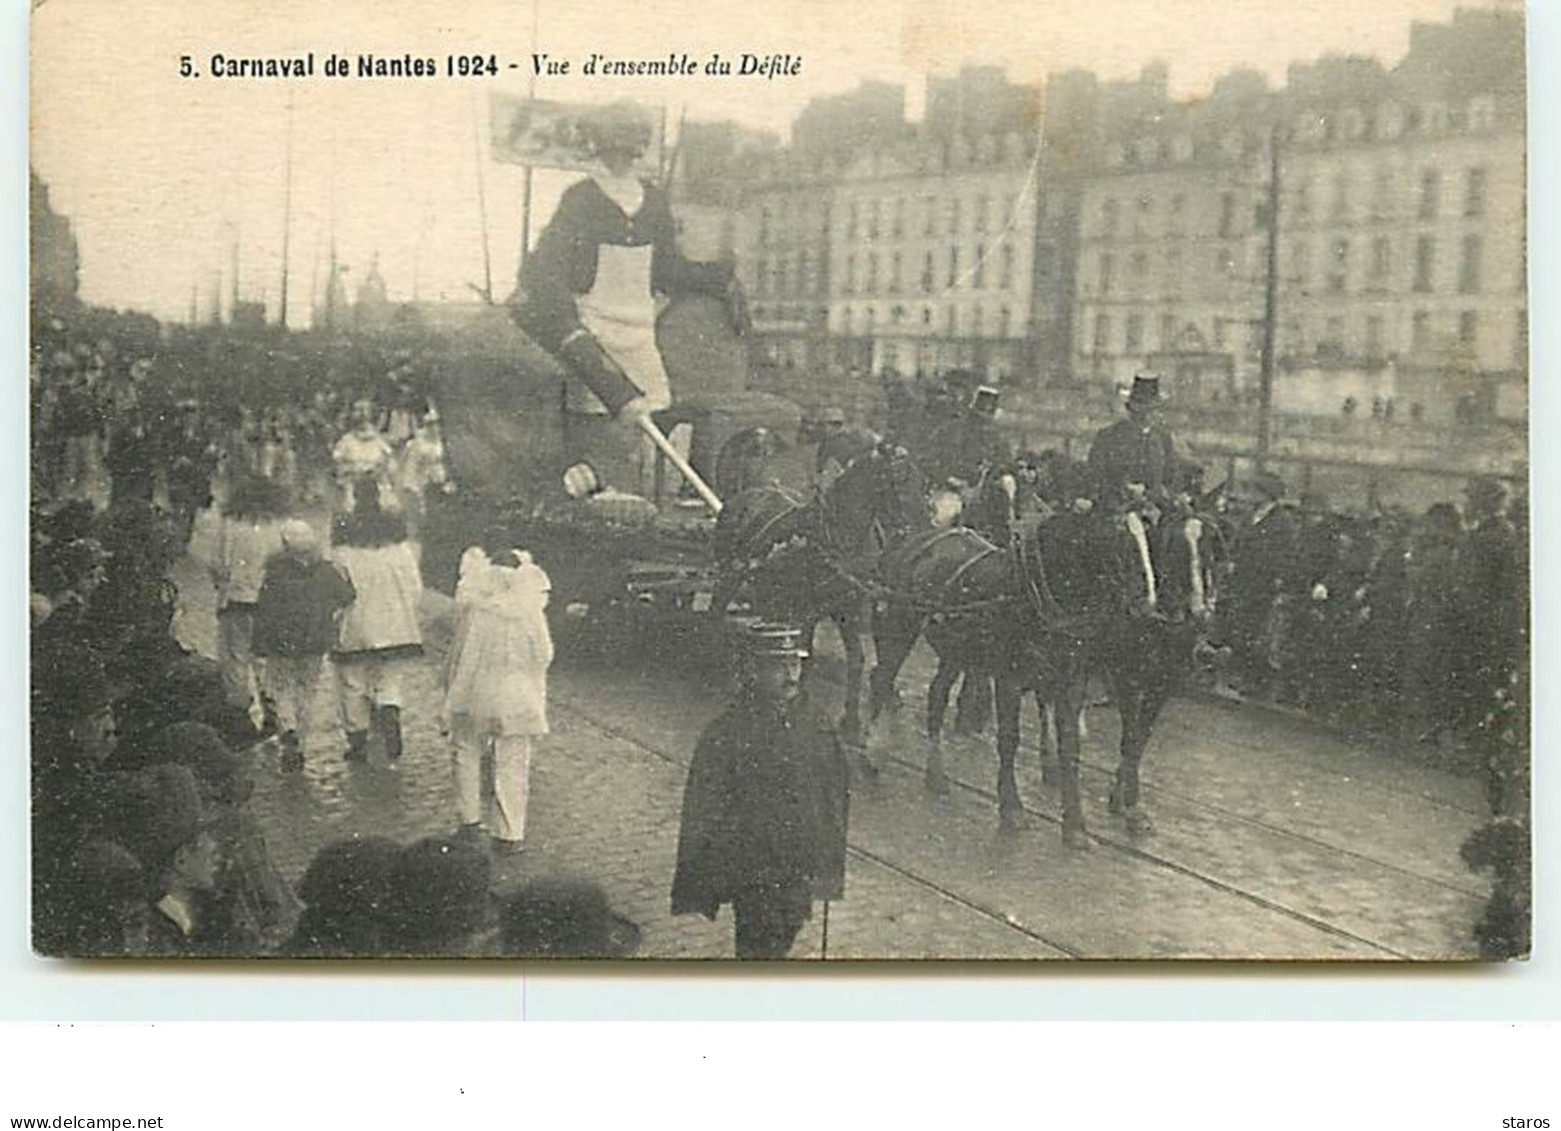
<point x="937" y="783"/>
<point x="1075" y="839"/>
<point x="1138" y="822"/>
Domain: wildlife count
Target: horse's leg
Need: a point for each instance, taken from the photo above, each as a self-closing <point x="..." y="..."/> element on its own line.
<point x="894" y="635"/>
<point x="975" y="701"/>
<point x="1127" y="699"/>
<point x="1069" y="697"/>
<point x="937" y="705"/>
<point x="1046" y="713"/>
<point x="1009" y="692"/>
<point x="849" y="623"/>
<point x="1149" y="701"/>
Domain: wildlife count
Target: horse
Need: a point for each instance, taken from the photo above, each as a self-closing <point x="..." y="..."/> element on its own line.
<point x="802" y="559"/>
<point x="1073" y="594"/>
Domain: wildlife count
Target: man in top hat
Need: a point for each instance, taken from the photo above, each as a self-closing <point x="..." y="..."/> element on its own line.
<point x="765" y="806"/>
<point x="589" y="292"/>
<point x="1136" y="459"/>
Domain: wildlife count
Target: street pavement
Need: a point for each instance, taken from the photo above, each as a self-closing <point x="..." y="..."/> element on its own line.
<point x="1274" y="839"/>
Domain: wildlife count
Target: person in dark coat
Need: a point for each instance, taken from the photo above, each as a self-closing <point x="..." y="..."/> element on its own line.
<point x="765" y="807"/>
<point x="301" y="597"/>
<point x="1137" y="458"/>
<point x="1266" y="572"/>
<point x="1490" y="612"/>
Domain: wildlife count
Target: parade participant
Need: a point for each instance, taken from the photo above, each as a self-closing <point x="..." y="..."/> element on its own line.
<point x="249" y="534"/>
<point x="495" y="690"/>
<point x="764" y="809"/>
<point x="589" y="293"/>
<point x="421" y="467"/>
<point x="301" y="597"/>
<point x="379" y="633"/>
<point x="363" y="458"/>
<point x="1136" y="459"/>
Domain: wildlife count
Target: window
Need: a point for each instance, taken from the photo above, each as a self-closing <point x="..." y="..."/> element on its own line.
<point x="850" y="287"/>
<point x="1339" y="266"/>
<point x="1430" y="191"/>
<point x="1469" y="267"/>
<point x="1374" y="336"/>
<point x="983" y="212"/>
<point x="1474" y="193"/>
<point x="1167" y="331"/>
<point x="845" y="321"/>
<point x="953" y="266"/>
<point x="872" y="320"/>
<point x="1227" y="214"/>
<point x="954" y="216"/>
<point x="874" y="211"/>
<point x="764" y="227"/>
<point x="1381" y="260"/>
<point x="871" y="285"/>
<point x="1135" y="333"/>
<point x="1138" y="267"/>
<point x="853" y="216"/>
<point x="977" y="321"/>
<point x="1469" y="331"/>
<point x="930" y="215"/>
<point x="1482" y="113"/>
<point x="950" y="323"/>
<point x="1107" y="262"/>
<point x="926" y="274"/>
<point x="1341" y="197"/>
<point x="1382" y="194"/>
<point x="763" y="271"/>
<point x="1333" y="336"/>
<point x="1108" y="217"/>
<point x="1173" y="270"/>
<point x="978" y="281"/>
<point x="1219" y="333"/>
<point x="780" y="276"/>
<point x="1005" y="318"/>
<point x="1006" y="267"/>
<point x="1102" y="332"/>
<point x="1425" y="263"/>
<point x="894" y="273"/>
<point x="1420" y="332"/>
<point x="897" y="224"/>
<point x="926" y="316"/>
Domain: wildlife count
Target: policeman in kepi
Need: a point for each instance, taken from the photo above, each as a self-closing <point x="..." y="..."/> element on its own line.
<point x="764" y="810"/>
<point x="1135" y="461"/>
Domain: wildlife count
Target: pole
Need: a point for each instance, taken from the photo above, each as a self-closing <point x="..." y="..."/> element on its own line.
<point x="675" y="458"/>
<point x="482" y="210"/>
<point x="823" y="947"/>
<point x="287" y="207"/>
<point x="1270" y="306"/>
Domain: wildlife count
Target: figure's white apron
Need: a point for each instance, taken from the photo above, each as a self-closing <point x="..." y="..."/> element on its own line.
<point x="620" y="312"/>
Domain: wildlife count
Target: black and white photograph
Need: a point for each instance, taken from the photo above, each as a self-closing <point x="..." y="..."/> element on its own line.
<point x="779" y="482"/>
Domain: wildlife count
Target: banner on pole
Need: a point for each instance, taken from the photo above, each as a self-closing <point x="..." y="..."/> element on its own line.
<point x="562" y="135"/>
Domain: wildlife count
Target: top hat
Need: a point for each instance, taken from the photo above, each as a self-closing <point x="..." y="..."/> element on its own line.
<point x="1145" y="392"/>
<point x="565" y="917"/>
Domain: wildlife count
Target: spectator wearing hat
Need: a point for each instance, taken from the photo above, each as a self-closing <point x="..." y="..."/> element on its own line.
<point x="345" y="891"/>
<point x="438" y="903"/>
<point x="103" y="894"/>
<point x="256" y="901"/>
<point x="1136" y="458"/>
<point x="495" y="690"/>
<point x="564" y="917"/>
<point x="302" y="596"/>
<point x="764" y="809"/>
<point x="159" y="818"/>
<point x="1491" y="610"/>
<point x="379" y="634"/>
<point x="249" y="534"/>
<point x="589" y="292"/>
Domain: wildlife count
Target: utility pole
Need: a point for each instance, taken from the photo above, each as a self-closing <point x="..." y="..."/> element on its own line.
<point x="1270" y="304"/>
<point x="287" y="208"/>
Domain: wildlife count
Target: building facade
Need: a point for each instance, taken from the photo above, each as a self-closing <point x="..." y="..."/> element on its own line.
<point x="1398" y="233"/>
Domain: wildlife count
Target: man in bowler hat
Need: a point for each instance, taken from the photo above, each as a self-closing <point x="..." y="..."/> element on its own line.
<point x="764" y="810"/>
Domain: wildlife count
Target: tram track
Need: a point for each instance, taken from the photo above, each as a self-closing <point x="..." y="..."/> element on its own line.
<point x="1121" y="846"/>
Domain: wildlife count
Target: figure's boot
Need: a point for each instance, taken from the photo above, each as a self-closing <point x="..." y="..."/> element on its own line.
<point x="387" y="720"/>
<point x="357" y="746"/>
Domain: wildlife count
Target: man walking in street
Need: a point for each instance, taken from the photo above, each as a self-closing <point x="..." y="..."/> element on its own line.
<point x="764" y="810"/>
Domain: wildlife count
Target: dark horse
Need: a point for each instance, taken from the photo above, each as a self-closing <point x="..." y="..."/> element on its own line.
<point x="1072" y="594"/>
<point x="802" y="559"/>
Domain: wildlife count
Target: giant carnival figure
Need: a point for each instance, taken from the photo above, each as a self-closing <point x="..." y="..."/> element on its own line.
<point x="591" y="291"/>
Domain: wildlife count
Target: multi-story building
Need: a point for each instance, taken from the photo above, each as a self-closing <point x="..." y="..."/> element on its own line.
<point x="932" y="253"/>
<point x="1398" y="231"/>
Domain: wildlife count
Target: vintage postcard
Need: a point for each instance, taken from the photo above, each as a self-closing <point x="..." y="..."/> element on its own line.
<point x="791" y="481"/>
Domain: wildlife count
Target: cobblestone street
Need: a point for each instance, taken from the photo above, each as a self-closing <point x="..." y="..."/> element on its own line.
<point x="1273" y="840"/>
